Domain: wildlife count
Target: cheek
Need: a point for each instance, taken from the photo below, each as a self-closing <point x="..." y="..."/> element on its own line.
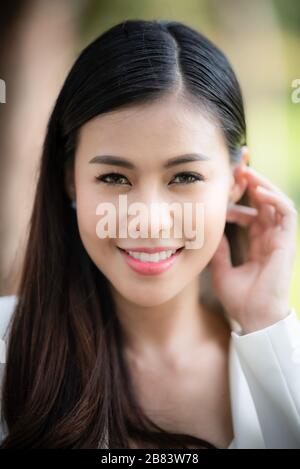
<point x="209" y="228"/>
<point x="214" y="223"/>
<point x="215" y="220"/>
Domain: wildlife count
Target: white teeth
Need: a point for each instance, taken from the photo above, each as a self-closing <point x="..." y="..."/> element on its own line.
<point x="146" y="257"/>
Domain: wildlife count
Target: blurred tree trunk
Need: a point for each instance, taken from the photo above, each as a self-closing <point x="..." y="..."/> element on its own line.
<point x="38" y="40"/>
<point x="9" y="23"/>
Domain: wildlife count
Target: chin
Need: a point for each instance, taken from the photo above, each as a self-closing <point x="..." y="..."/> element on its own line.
<point x="149" y="297"/>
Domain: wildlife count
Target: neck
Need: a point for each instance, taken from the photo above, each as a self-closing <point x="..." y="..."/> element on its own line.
<point x="176" y="325"/>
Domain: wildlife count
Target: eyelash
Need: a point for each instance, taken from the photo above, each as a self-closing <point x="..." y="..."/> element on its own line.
<point x="197" y="178"/>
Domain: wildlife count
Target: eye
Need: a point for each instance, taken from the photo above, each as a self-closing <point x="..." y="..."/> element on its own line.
<point x="113" y="179"/>
<point x="188" y="178"/>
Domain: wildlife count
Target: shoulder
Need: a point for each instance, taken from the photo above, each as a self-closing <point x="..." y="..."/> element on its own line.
<point x="7" y="307"/>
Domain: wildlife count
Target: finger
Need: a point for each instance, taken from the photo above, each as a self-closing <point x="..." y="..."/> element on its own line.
<point x="267" y="214"/>
<point x="255" y="178"/>
<point x="278" y="218"/>
<point x="241" y="214"/>
<point x="256" y="230"/>
<point x="262" y="213"/>
<point x="284" y="207"/>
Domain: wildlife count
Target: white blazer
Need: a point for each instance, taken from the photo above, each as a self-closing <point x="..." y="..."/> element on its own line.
<point x="264" y="372"/>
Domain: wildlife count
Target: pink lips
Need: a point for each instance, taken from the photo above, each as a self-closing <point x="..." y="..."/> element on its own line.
<point x="152" y="250"/>
<point x="150" y="268"/>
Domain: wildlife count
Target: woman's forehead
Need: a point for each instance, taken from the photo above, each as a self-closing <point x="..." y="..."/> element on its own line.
<point x="152" y="132"/>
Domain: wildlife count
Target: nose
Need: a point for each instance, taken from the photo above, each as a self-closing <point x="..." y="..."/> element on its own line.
<point x="161" y="220"/>
<point x="150" y="215"/>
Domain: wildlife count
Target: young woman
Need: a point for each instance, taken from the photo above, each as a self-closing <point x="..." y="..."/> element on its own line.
<point x="111" y="344"/>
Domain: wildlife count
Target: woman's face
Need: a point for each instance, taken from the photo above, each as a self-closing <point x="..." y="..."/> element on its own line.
<point x="148" y="137"/>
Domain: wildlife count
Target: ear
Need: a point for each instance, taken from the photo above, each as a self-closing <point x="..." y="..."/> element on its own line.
<point x="238" y="184"/>
<point x="69" y="179"/>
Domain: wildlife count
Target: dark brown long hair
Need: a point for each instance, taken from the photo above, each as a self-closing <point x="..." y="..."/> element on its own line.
<point x="66" y="384"/>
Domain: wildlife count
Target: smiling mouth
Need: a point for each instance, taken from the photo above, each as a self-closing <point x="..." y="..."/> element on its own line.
<point x="152" y="257"/>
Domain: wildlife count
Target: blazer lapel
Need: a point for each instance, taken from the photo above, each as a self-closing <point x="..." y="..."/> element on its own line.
<point x="246" y="427"/>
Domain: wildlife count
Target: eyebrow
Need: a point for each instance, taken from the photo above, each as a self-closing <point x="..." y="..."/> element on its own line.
<point x="119" y="161"/>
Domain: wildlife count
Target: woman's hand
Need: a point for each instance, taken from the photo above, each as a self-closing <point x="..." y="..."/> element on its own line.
<point x="255" y="294"/>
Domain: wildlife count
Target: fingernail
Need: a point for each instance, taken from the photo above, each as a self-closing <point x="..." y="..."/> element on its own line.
<point x="261" y="189"/>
